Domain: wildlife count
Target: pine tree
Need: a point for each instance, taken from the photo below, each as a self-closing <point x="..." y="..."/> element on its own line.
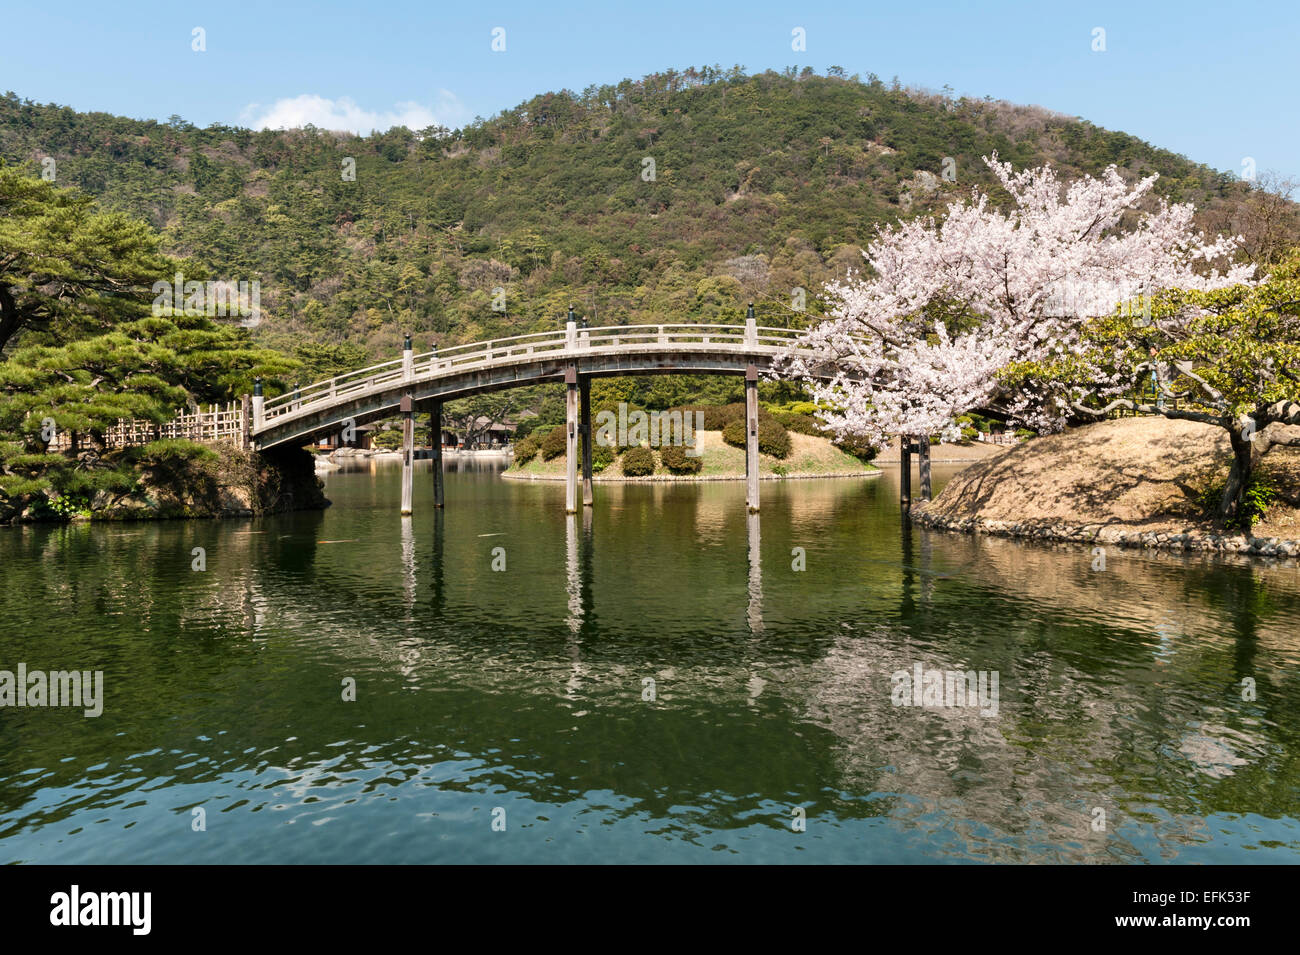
<point x="66" y="268"/>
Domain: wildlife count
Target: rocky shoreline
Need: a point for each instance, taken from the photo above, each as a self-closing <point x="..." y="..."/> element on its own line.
<point x="235" y="483"/>
<point x="1117" y="536"/>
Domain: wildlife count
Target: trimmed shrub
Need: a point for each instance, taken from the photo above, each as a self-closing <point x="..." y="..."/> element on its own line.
<point x="800" y="423"/>
<point x="677" y="461"/>
<point x="857" y="446"/>
<point x="716" y="417"/>
<point x="601" y="457"/>
<point x="553" y="444"/>
<point x="526" y="450"/>
<point x="389" y="439"/>
<point x="638" y="462"/>
<point x="773" y="439"/>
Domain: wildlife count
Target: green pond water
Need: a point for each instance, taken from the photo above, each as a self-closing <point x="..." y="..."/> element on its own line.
<point x="509" y="715"/>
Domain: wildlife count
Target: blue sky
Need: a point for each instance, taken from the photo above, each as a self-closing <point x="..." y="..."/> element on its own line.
<point x="1216" y="81"/>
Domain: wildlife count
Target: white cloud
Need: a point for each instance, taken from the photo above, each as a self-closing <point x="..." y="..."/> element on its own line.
<point x="344" y="114"/>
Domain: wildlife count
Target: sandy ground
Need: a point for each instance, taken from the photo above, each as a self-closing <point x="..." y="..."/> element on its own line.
<point x="1140" y="473"/>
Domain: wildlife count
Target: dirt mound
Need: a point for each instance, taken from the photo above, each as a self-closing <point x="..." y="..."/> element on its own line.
<point x="1141" y="473"/>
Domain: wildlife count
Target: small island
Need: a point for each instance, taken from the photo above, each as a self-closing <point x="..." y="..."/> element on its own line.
<point x="791" y="446"/>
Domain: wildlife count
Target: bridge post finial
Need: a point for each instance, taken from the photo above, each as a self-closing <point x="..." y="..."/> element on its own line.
<point x="408" y="358"/>
<point x="751" y="326"/>
<point x="259" y="403"/>
<point x="571" y="330"/>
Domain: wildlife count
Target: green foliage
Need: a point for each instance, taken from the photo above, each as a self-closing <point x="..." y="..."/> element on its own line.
<point x="602" y="457"/>
<point x="765" y="183"/>
<point x="389" y="439"/>
<point x="1260" y="492"/>
<point x="548" y="405"/>
<point x="857" y="446"/>
<point x="677" y="461"/>
<point x="1229" y="357"/>
<point x="638" y="462"/>
<point x="800" y="423"/>
<point x="555" y="443"/>
<point x="173" y="462"/>
<point x="60" y="509"/>
<point x="320" y="361"/>
<point x="171" y="454"/>
<point x="969" y="431"/>
<point x="773" y="439"/>
<point x="69" y="270"/>
<point x="526" y="428"/>
<point x="81" y="345"/>
<point x="526" y="450"/>
<point x="473" y="418"/>
<point x="716" y="417"/>
<point x="1255" y="502"/>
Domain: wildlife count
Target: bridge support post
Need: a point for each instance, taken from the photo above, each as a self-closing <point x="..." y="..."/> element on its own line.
<point x="245" y="422"/>
<point x="751" y="438"/>
<point x="571" y="439"/>
<point x="923" y="455"/>
<point x="435" y="442"/>
<point x="408" y="453"/>
<point x="584" y="428"/>
<point x="905" y="472"/>
<point x="259" y="403"/>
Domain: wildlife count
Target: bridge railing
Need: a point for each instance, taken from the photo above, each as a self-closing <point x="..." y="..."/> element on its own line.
<point x="427" y="365"/>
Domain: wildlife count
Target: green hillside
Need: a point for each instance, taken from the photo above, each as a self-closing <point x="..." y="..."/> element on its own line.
<point x="761" y="184"/>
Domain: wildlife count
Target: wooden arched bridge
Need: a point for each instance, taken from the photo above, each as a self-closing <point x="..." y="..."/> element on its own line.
<point x="572" y="355"/>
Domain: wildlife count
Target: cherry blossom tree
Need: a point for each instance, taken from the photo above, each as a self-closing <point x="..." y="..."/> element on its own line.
<point x="949" y="306"/>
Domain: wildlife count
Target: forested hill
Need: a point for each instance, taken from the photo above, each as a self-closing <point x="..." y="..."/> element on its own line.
<point x="760" y="184"/>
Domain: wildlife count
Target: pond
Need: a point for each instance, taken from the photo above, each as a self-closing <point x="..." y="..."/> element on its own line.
<point x="661" y="679"/>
